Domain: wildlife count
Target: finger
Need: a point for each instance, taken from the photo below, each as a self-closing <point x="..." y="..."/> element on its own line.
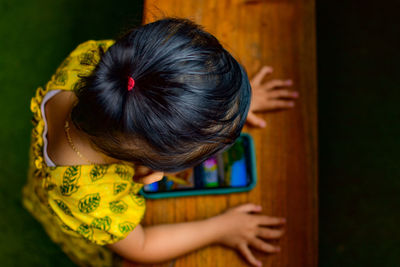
<point x="280" y="104"/>
<point x="249" y="207"/>
<point x="269" y="233"/>
<point x="264" y="246"/>
<point x="282" y="94"/>
<point x="257" y="79"/>
<point x="255" y="121"/>
<point x="270" y="221"/>
<point x="244" y="249"/>
<point x="277" y="83"/>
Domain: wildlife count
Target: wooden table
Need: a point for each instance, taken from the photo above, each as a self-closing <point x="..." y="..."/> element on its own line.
<point x="278" y="33"/>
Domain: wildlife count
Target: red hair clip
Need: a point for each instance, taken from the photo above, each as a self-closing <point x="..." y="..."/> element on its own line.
<point x="131" y="83"/>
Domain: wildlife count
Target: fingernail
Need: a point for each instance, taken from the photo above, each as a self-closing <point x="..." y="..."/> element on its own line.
<point x="259" y="207"/>
<point x="283" y="220"/>
<point x="295" y="94"/>
<point x="291" y="104"/>
<point x="263" y="124"/>
<point x="259" y="263"/>
<point x="289" y="82"/>
<point x="278" y="249"/>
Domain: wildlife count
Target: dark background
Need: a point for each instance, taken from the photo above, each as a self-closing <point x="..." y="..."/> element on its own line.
<point x="358" y="84"/>
<point x="359" y="130"/>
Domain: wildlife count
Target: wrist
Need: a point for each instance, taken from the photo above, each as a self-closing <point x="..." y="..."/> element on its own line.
<point x="217" y="225"/>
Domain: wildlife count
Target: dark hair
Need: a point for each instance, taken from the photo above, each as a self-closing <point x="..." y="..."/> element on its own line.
<point x="190" y="99"/>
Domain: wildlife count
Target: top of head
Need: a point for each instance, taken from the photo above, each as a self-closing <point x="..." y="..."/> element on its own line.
<point x="190" y="98"/>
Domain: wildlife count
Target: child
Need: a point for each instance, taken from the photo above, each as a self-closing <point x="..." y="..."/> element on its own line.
<point x="117" y="115"/>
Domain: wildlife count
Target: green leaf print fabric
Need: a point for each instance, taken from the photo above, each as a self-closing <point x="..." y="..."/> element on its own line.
<point x="98" y="202"/>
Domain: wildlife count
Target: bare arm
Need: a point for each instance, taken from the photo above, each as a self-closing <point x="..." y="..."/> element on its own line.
<point x="235" y="228"/>
<point x="163" y="242"/>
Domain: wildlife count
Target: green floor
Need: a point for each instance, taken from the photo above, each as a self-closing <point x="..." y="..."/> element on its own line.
<point x="35" y="37"/>
<point x="359" y="92"/>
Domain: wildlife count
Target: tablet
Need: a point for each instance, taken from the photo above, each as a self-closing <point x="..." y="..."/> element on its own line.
<point x="230" y="171"/>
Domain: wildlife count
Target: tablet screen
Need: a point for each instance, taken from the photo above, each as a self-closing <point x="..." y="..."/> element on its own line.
<point x="227" y="169"/>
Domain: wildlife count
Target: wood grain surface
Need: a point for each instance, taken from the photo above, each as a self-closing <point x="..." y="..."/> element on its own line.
<point x="280" y="34"/>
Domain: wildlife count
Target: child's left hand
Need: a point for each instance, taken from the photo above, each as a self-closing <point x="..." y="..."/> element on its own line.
<point x="268" y="96"/>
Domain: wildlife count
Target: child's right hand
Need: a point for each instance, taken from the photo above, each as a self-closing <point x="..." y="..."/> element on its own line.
<point x="241" y="228"/>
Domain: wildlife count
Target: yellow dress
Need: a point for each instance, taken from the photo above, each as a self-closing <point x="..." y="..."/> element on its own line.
<point x="83" y="207"/>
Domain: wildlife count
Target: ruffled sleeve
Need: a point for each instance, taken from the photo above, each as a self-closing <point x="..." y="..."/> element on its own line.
<point x="79" y="63"/>
<point x="97" y="202"/>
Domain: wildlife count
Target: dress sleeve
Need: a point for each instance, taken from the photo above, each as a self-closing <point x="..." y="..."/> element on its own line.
<point x="80" y="62"/>
<point x="97" y="202"/>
